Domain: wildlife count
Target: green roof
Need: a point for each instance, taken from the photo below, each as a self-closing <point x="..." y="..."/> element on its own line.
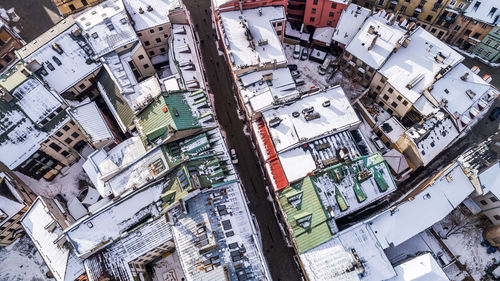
<point x="298" y="202"/>
<point x="170" y="110"/>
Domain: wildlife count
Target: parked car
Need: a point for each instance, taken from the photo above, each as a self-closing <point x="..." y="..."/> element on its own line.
<point x="295" y="74"/>
<point x="305" y="54"/>
<point x="322" y="69"/>
<point x="234" y="159"/>
<point x="494" y="113"/>
<point x="296" y="52"/>
<point x="292" y="67"/>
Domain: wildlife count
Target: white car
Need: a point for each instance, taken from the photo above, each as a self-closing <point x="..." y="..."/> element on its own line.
<point x="234" y="159"/>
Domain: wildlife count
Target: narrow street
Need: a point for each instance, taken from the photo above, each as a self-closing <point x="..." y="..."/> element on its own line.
<point x="279" y="256"/>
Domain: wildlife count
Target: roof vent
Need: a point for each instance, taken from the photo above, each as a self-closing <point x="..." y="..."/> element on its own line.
<point x="150" y="8"/>
<point x="274" y="122"/>
<point x="470" y="93"/>
<point x="415" y="81"/>
<point x="464" y="77"/>
<point x="440" y="57"/>
<point x="141" y="11"/>
<point x="57" y="48"/>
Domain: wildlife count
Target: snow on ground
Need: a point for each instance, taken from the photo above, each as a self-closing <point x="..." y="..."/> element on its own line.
<point x="67" y="183"/>
<point x="465" y="245"/>
<point x="20" y="261"/>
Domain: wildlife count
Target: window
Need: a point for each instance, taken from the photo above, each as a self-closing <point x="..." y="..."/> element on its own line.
<point x="55" y="147"/>
<point x="146" y="66"/>
<point x="158" y="40"/>
<point x="66" y="127"/>
<point x="382" y="79"/>
<point x="460" y="41"/>
<point x="452" y="3"/>
<point x="313" y="11"/>
<point x="485" y="25"/>
<point x="330" y="14"/>
<point x="147" y="43"/>
<point x="385" y="97"/>
<point x="334" y="5"/>
<point x="456" y="28"/>
<point x="329" y="22"/>
<point x="59" y="134"/>
<point x="441" y="33"/>
<point x="139" y="34"/>
<point x="280" y="23"/>
<point x="65" y="154"/>
<point x="84" y="2"/>
<point x="497" y="217"/>
<point x="467" y="32"/>
<point x="390" y="111"/>
<point x="72" y="7"/>
<point x="393" y="104"/>
<point x="403" y="9"/>
<point x="493" y="199"/>
<point x="151" y="53"/>
<point x="151" y="31"/>
<point x="488" y="42"/>
<point x="399" y="98"/>
<point x="75" y="135"/>
<point x="381" y="2"/>
<point x="428" y="18"/>
<point x="81" y="86"/>
<point x="160" y="28"/>
<point x="378" y="88"/>
<point x="483" y="202"/>
<point x="72" y="122"/>
<point x="312" y="19"/>
<point x="391" y="90"/>
<point x="315" y="2"/>
<point x="476" y="35"/>
<point x="278" y="32"/>
<point x="405" y="103"/>
<point x="68" y="140"/>
<point x="497" y="45"/>
<point x="165" y="35"/>
<point x="433" y="30"/>
<point x="140" y="57"/>
<point x="162" y="50"/>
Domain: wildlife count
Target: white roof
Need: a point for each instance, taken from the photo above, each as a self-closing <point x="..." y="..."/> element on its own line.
<point x="451" y="89"/>
<point x="293" y="130"/>
<point x="36" y="100"/>
<point x="96" y="231"/>
<point x="148" y="19"/>
<point x="349" y="23"/>
<point x="490" y="178"/>
<point x="182" y="50"/>
<point x="92" y="122"/>
<point x="297" y="163"/>
<point x="324" y="34"/>
<point x="106" y="27"/>
<point x="261" y="29"/>
<point x="433" y="136"/>
<point x="421" y="268"/>
<point x="144" y="93"/>
<point x="70" y="64"/>
<point x="424" y="106"/>
<point x="396" y="161"/>
<point x="433" y="204"/>
<point x="60" y="260"/>
<point x="487" y="11"/>
<point x="9" y="207"/>
<point x="418" y="62"/>
<point x="329" y="261"/>
<point x="392" y="129"/>
<point x="384" y="45"/>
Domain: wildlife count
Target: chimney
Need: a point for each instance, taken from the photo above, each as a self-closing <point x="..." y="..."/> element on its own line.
<point x="373" y="42"/>
<point x="141" y="11"/>
<point x="371" y="29"/>
<point x="464" y="77"/>
<point x="150" y="8"/>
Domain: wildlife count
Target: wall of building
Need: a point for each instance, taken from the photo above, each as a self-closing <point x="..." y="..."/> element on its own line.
<point x="351" y="66"/>
<point x="155" y="39"/>
<point x="296" y="10"/>
<point x="388" y="97"/>
<point x="322" y="13"/>
<point x="8" y="44"/>
<point x="409" y="150"/>
<point x="490" y="206"/>
<point x="64" y="143"/>
<point x="68" y="7"/>
<point x="489" y="48"/>
<point x="466" y="33"/>
<point x="83" y="88"/>
<point x="142" y="63"/>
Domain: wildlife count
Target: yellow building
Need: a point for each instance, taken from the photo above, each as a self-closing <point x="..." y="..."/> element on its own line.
<point x="68" y="7"/>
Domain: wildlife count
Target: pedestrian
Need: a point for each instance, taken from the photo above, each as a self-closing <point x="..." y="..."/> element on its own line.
<point x="211" y="59"/>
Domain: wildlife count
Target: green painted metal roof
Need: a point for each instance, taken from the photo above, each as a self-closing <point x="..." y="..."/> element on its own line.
<point x="318" y="231"/>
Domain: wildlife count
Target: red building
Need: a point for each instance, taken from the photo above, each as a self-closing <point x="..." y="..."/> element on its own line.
<point x="322" y="13"/>
<point x="295" y="10"/>
<point x="230" y="5"/>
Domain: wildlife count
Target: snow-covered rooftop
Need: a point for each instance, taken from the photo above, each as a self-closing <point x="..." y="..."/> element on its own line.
<point x="106" y="27"/>
<point x="396" y="161"/>
<point x="91" y="120"/>
<point x="44" y="231"/>
<point x="433" y="136"/>
<point x="324" y="34"/>
<point x="10" y="201"/>
<point x="149" y="18"/>
<point x="490" y="178"/>
<point x="184" y="57"/>
<point x="260" y="95"/>
<point x="392" y="129"/>
<point x="487" y="11"/>
<point x="36" y="101"/>
<point x="349" y="23"/>
<point x="250" y="38"/>
<point x="144" y="93"/>
<point x="330" y="262"/>
<point x="375" y="31"/>
<point x="427" y="207"/>
<point x="220" y="210"/>
<point x="463" y="93"/>
<point x="336" y="115"/>
<point x="66" y="55"/>
<point x="421" y="268"/>
<point x="412" y="69"/>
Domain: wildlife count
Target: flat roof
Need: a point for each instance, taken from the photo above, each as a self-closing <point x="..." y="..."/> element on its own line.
<point x="418" y="64"/>
<point x="384" y="44"/>
<point x="392" y="129"/>
<point x="150" y="18"/>
<point x="185" y="59"/>
<point x="349" y="23"/>
<point x="421" y="268"/>
<point x="324" y="34"/>
<point x="266" y="48"/>
<point x="426" y="208"/>
<point x="338" y="116"/>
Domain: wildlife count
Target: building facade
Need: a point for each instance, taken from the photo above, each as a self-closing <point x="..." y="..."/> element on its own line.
<point x="9" y="42"/>
<point x="68" y="7"/>
<point x="489" y="48"/>
<point x="322" y="13"/>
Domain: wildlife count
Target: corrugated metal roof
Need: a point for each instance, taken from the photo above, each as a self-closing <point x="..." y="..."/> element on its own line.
<point x="92" y="122"/>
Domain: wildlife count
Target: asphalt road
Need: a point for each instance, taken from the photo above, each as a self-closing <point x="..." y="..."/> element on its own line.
<point x="279" y="256"/>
